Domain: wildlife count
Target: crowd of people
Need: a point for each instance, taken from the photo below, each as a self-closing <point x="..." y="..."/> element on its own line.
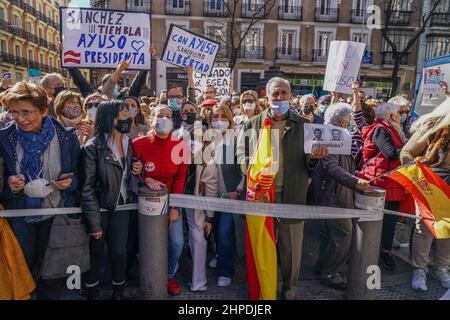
<point x="92" y="148"/>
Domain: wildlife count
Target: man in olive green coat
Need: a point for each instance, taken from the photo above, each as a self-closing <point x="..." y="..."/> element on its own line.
<point x="291" y="180"/>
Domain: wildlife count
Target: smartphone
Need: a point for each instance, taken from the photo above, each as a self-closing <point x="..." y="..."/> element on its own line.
<point x="6" y="74"/>
<point x="65" y="176"/>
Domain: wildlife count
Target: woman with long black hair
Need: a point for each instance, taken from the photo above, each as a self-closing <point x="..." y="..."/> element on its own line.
<point x="106" y="167"/>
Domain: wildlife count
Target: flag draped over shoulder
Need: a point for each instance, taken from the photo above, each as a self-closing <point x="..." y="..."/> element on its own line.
<point x="431" y="194"/>
<point x="260" y="243"/>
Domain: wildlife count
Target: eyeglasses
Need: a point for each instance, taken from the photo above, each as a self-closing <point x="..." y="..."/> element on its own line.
<point x="23" y="113"/>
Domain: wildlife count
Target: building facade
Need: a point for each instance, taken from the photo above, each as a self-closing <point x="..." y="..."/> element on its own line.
<point x="435" y="41"/>
<point x="29" y="38"/>
<point x="294" y="36"/>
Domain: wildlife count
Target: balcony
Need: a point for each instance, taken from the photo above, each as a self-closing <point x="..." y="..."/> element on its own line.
<point x="290" y="13"/>
<point x="255" y="53"/>
<point x="178" y="7"/>
<point x="327" y="15"/>
<point x="33" y="65"/>
<point x="29" y="9"/>
<point x="388" y="58"/>
<point x="52" y="46"/>
<point x="98" y="4"/>
<point x="41" y="16"/>
<point x="18" y="31"/>
<point x="6" y="58"/>
<point x="43" y="43"/>
<point x="288" y="54"/>
<point x="18" y="3"/>
<point x="31" y="37"/>
<point x="214" y="8"/>
<point x="360" y="16"/>
<point x="320" y="55"/>
<point x="251" y="10"/>
<point x="21" y="62"/>
<point x="440" y="19"/>
<point x="146" y="6"/>
<point x="5" y="25"/>
<point x="400" y="18"/>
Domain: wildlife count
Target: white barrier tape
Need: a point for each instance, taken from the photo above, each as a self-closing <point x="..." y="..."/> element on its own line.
<point x="399" y="214"/>
<point x="289" y="211"/>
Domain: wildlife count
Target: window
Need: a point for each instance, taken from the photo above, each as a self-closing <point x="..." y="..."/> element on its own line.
<point x="361" y="37"/>
<point x="400" y="39"/>
<point x="326" y="6"/>
<point x="50" y="61"/>
<point x="138" y="3"/>
<point x="323" y="41"/>
<point x="29" y="28"/>
<point x="16" y="21"/>
<point x="17" y="51"/>
<point x="288" y="41"/>
<point x="252" y="41"/>
<point x="253" y="5"/>
<point x="215" y="33"/>
<point x="41" y="58"/>
<point x="360" y="7"/>
<point x="402" y="5"/>
<point x="3" y="46"/>
<point x="443" y="7"/>
<point x="40" y="32"/>
<point x="19" y="76"/>
<point x="2" y="14"/>
<point x="437" y="45"/>
<point x="40" y="7"/>
<point x="179" y="4"/>
<point x="215" y="5"/>
<point x="30" y="55"/>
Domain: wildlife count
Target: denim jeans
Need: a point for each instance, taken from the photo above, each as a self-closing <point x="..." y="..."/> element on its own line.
<point x="224" y="227"/>
<point x="175" y="245"/>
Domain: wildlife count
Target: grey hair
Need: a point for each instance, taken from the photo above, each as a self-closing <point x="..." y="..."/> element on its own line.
<point x="273" y="81"/>
<point x="45" y="81"/>
<point x="304" y="98"/>
<point x="385" y="110"/>
<point x="338" y="112"/>
<point x="399" y="100"/>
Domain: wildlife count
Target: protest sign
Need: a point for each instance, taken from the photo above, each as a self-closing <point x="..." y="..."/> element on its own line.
<point x="184" y="48"/>
<point x="97" y="38"/>
<point x="432" y="78"/>
<point x="344" y="61"/>
<point x="220" y="78"/>
<point x="337" y="140"/>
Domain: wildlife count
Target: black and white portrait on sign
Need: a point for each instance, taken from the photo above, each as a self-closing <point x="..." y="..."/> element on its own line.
<point x="318" y="135"/>
<point x="335" y="135"/>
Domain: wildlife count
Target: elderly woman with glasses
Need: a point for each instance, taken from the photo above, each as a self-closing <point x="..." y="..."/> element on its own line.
<point x="383" y="142"/>
<point x="333" y="182"/>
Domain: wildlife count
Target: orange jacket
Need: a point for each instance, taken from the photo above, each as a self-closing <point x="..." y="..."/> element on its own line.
<point x="16" y="281"/>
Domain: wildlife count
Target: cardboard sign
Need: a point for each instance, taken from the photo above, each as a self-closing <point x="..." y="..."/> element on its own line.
<point x="336" y="139"/>
<point x="220" y="78"/>
<point x="97" y="38"/>
<point x="184" y="48"/>
<point x="344" y="61"/>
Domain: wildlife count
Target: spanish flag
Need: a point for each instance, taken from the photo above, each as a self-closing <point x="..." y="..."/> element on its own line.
<point x="431" y="194"/>
<point x="260" y="240"/>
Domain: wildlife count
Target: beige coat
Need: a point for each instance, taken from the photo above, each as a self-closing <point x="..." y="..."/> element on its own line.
<point x="206" y="184"/>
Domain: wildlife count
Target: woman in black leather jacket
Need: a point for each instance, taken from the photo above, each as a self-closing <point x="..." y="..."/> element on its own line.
<point x="106" y="168"/>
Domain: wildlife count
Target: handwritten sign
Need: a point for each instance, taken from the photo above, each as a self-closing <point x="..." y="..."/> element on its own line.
<point x="184" y="48"/>
<point x="97" y="38"/>
<point x="344" y="61"/>
<point x="432" y="78"/>
<point x="220" y="78"/>
<point x="337" y="140"/>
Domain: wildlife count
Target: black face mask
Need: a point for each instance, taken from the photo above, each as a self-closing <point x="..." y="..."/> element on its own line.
<point x="190" y="118"/>
<point x="163" y="102"/>
<point x="123" y="126"/>
<point x="58" y="90"/>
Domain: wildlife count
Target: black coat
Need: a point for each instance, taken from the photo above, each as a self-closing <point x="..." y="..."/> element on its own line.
<point x="101" y="178"/>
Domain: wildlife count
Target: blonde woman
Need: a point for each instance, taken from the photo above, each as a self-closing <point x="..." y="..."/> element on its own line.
<point x="249" y="106"/>
<point x="70" y="113"/>
<point x="430" y="145"/>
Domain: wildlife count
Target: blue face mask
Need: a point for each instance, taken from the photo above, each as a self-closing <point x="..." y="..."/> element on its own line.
<point x="404" y="118"/>
<point x="173" y="104"/>
<point x="280" y="108"/>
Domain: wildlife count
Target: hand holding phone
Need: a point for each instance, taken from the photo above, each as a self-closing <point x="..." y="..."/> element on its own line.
<point x="65" y="176"/>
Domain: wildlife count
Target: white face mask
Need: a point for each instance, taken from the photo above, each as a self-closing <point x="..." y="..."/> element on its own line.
<point x="249" y="106"/>
<point x="220" y="125"/>
<point x="72" y="122"/>
<point x="236" y="112"/>
<point x="132" y="112"/>
<point x="163" y="125"/>
<point x="92" y="113"/>
<point x="37" y="188"/>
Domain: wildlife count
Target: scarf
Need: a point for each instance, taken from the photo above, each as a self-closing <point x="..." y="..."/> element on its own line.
<point x="34" y="145"/>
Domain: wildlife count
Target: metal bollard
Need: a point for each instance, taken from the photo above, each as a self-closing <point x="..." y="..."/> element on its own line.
<point x="153" y="208"/>
<point x="365" y="248"/>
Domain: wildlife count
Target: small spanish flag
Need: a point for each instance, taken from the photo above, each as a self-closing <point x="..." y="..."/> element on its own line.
<point x="260" y="243"/>
<point x="431" y="194"/>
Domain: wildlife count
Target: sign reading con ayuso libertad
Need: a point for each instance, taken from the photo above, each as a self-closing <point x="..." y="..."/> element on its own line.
<point x="97" y="38"/>
<point x="337" y="140"/>
<point x="184" y="48"/>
